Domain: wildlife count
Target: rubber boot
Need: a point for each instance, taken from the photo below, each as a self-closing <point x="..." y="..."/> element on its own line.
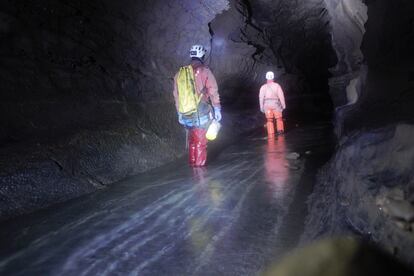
<point x="191" y="148"/>
<point x="280" y="126"/>
<point x="270" y="128"/>
<point x="198" y="147"/>
<point x="191" y="154"/>
<point x="201" y="147"/>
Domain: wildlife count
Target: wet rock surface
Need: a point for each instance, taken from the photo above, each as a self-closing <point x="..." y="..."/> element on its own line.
<point x="36" y="176"/>
<point x="398" y="209"/>
<point x="339" y="257"/>
<point x="234" y="217"/>
<point x="293" y="155"/>
<point x="365" y="189"/>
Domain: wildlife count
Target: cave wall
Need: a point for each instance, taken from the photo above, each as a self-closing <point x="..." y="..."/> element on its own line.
<point x="296" y="43"/>
<point x="367" y="187"/>
<point x="367" y="190"/>
<point x="348" y="28"/>
<point x="86" y="86"/>
<point x="71" y="66"/>
<point x="105" y="61"/>
<point x="387" y="46"/>
<point x="235" y="57"/>
<point x="86" y="92"/>
<point x="372" y="83"/>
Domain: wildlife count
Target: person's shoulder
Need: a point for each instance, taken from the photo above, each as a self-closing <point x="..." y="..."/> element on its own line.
<point x="276" y="84"/>
<point x="205" y="67"/>
<point x="205" y="70"/>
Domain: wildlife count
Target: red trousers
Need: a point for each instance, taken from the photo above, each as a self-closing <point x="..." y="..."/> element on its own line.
<point x="272" y="114"/>
<point x="197" y="148"/>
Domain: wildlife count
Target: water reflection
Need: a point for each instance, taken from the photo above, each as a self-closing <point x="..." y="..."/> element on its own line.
<point x="210" y="196"/>
<point x="276" y="168"/>
<point x="208" y="190"/>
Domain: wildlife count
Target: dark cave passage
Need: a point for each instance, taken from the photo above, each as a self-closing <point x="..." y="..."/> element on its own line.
<point x="87" y="101"/>
<point x="286" y="40"/>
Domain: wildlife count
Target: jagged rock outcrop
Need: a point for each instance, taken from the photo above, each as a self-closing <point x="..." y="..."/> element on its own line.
<point x="347" y="22"/>
<point x="373" y="78"/>
<point x="367" y="189"/>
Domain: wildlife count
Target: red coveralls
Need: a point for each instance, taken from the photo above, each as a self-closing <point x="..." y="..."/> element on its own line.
<point x="272" y="103"/>
<point x="207" y="86"/>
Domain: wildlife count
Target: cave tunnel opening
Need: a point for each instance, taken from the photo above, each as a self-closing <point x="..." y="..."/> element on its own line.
<point x="291" y="39"/>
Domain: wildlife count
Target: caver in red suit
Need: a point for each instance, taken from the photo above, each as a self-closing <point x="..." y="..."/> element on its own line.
<point x="272" y="103"/>
<point x="208" y="109"/>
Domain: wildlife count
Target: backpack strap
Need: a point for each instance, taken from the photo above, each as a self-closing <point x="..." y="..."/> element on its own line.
<point x="203" y="91"/>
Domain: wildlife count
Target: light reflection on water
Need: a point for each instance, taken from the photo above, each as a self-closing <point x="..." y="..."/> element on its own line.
<point x="182" y="220"/>
<point x="276" y="169"/>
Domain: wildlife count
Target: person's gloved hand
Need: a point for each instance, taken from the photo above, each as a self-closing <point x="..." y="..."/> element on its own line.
<point x="180" y="119"/>
<point x="217" y="113"/>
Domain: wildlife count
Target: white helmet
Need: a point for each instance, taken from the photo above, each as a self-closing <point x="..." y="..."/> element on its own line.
<point x="270" y="75"/>
<point x="197" y="51"/>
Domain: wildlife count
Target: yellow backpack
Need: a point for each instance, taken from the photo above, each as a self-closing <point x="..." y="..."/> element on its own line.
<point x="188" y="98"/>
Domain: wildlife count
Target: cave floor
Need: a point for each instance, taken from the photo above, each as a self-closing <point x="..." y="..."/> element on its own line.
<point x="234" y="217"/>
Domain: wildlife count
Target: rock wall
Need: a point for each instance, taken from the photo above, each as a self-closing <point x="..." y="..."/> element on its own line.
<point x="86" y="93"/>
<point x="296" y="43"/>
<point x="347" y="22"/>
<point x="230" y="47"/>
<point x="86" y="86"/>
<point x="367" y="187"/>
<point x="73" y="66"/>
<point x="86" y="89"/>
<point x="372" y="81"/>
